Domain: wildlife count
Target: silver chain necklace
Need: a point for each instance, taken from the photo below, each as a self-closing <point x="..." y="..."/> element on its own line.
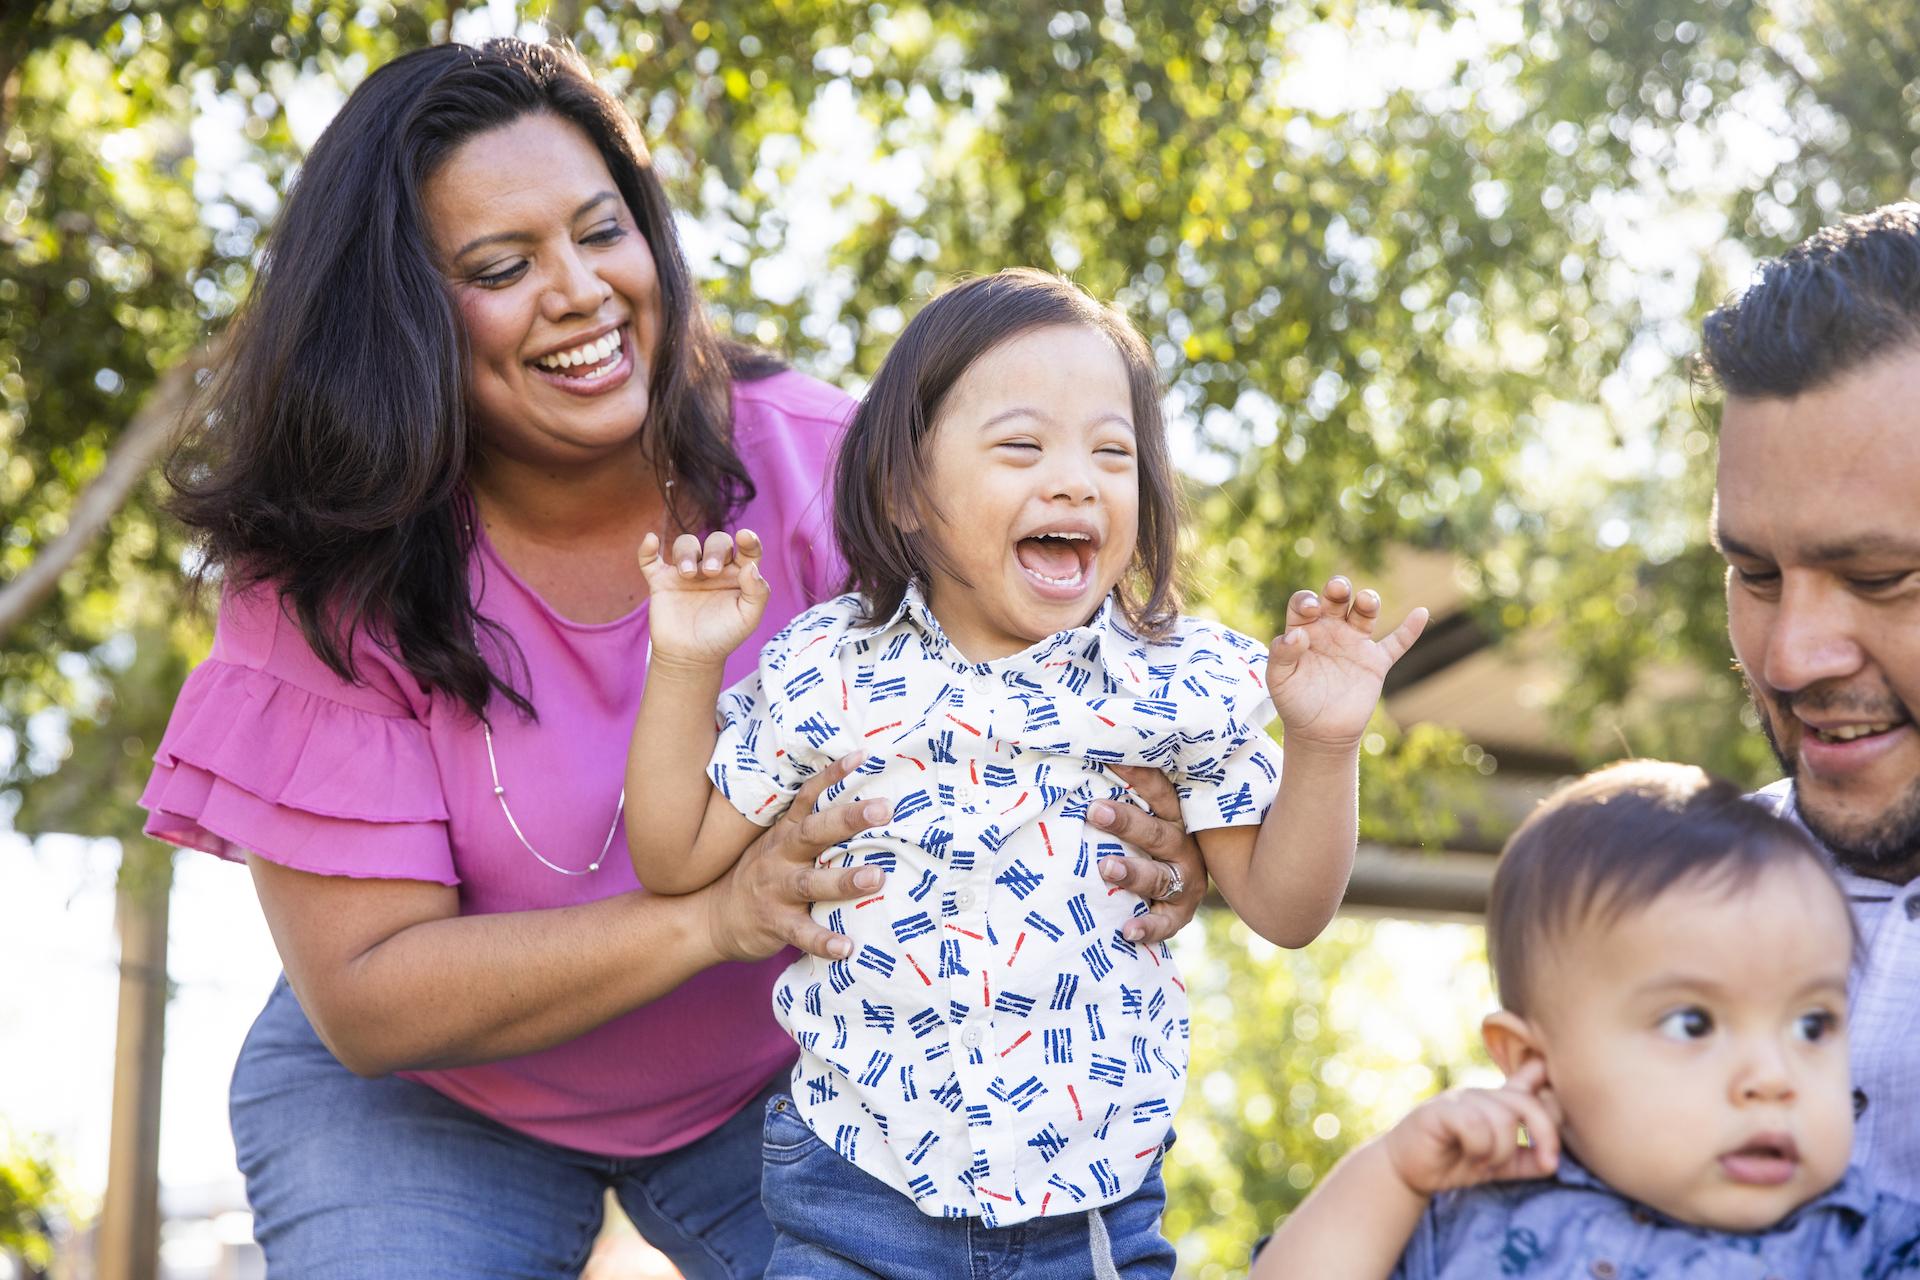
<point x="500" y="794"/>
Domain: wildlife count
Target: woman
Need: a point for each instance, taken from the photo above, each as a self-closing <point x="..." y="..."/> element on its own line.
<point x="473" y="375"/>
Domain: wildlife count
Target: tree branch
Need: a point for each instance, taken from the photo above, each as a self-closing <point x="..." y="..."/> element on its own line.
<point x="149" y="435"/>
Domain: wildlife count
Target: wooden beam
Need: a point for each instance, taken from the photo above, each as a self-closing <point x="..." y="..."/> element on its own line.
<point x="1419" y="885"/>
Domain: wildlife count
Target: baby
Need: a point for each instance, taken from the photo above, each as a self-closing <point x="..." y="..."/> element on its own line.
<point x="1672" y="968"/>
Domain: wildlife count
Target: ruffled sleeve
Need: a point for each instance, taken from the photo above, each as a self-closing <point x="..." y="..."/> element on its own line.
<point x="269" y="752"/>
<point x="1227" y="770"/>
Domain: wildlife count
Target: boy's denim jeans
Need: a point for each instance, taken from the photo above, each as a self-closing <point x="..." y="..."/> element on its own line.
<point x="833" y="1222"/>
<point x="355" y="1179"/>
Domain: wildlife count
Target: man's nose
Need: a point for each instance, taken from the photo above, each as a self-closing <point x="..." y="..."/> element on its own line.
<point x="1812" y="637"/>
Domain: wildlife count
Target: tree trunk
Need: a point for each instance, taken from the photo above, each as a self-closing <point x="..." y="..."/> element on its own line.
<point x="128" y="1244"/>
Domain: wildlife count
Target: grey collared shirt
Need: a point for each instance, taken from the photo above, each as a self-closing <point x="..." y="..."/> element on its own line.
<point x="1883" y="1020"/>
<point x="1573" y="1225"/>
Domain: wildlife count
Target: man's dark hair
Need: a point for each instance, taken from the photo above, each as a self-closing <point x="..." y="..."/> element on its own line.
<point x="1610" y="843"/>
<point x="333" y="455"/>
<point x="1844" y="295"/>
<point x="882" y="472"/>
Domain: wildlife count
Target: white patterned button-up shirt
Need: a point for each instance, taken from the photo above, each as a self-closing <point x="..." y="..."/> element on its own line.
<point x="1883" y="1020"/>
<point x="993" y="1047"/>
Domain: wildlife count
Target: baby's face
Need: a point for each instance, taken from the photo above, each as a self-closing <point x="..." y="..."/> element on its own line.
<point x="1698" y="1047"/>
<point x="1033" y="477"/>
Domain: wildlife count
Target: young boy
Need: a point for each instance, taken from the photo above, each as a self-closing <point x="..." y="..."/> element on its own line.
<point x="1672" y="968"/>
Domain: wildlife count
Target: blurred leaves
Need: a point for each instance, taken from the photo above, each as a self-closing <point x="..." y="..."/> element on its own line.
<point x="33" y="1199"/>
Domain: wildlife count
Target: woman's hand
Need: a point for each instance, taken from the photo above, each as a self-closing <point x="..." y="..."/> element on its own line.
<point x="763" y="903"/>
<point x="1168" y="846"/>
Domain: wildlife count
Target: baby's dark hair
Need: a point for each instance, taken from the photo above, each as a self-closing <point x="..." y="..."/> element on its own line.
<point x="881" y="471"/>
<point x="1610" y="843"/>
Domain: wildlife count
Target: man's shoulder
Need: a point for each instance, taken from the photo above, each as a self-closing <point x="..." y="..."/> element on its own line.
<point x="1776" y="798"/>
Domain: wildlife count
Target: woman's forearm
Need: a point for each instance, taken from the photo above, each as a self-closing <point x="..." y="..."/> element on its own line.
<point x="394" y="979"/>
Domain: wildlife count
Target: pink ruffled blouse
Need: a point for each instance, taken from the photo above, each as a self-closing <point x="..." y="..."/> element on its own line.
<point x="268" y="751"/>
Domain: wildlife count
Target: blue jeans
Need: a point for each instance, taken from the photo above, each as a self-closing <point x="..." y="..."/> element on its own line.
<point x="833" y="1222"/>
<point x="389" y="1180"/>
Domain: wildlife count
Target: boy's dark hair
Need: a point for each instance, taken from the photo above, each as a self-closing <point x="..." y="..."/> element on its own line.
<point x="881" y="470"/>
<point x="333" y="452"/>
<point x="1611" y="842"/>
<point x="1842" y="296"/>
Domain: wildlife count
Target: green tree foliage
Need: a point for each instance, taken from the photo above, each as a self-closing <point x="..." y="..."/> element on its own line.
<point x="33" y="1199"/>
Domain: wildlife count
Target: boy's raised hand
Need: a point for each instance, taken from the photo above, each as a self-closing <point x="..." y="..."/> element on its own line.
<point x="706" y="599"/>
<point x="1466" y="1137"/>
<point x="1325" y="670"/>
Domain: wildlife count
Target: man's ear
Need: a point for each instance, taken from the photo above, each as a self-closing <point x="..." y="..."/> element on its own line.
<point x="1512" y="1041"/>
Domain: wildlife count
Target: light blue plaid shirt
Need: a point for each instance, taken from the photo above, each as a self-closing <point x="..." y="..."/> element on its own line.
<point x="1883" y="1020"/>
<point x="1573" y="1225"/>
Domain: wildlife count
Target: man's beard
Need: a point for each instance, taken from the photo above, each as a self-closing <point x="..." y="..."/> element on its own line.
<point x="1888" y="848"/>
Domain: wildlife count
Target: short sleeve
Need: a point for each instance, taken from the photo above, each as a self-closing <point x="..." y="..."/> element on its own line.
<point x="269" y="752"/>
<point x="1226" y="768"/>
<point x="786" y="721"/>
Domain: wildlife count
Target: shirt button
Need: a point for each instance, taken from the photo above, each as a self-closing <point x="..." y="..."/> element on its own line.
<point x="964" y="899"/>
<point x="971" y="1037"/>
<point x="983" y="684"/>
<point x="1604" y="1270"/>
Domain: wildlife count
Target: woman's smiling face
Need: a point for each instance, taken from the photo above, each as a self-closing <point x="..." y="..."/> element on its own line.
<point x="556" y="288"/>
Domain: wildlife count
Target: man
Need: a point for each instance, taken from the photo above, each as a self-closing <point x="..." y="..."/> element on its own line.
<point x="1817" y="512"/>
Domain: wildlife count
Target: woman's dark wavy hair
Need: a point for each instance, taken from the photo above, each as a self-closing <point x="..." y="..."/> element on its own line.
<point x="337" y="436"/>
<point x="1836" y="300"/>
<point x="881" y="470"/>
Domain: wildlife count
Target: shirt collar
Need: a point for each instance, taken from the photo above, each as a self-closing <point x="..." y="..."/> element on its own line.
<point x="1105" y="637"/>
<point x="1852" y="1194"/>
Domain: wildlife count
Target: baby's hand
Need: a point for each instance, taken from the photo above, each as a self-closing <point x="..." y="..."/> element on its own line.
<point x="1325" y="670"/>
<point x="1466" y="1137"/>
<point x="706" y="600"/>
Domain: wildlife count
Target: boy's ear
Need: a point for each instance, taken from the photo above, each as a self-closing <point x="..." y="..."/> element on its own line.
<point x="1512" y="1041"/>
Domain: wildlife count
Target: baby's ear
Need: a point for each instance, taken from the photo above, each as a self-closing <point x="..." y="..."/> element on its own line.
<point x="1512" y="1041"/>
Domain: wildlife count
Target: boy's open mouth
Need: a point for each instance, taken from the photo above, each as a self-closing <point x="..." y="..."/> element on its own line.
<point x="1059" y="558"/>
<point x="1767" y="1161"/>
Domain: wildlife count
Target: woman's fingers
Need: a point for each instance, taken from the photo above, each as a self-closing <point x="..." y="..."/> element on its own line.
<point x="649" y="550"/>
<point x="1160" y="835"/>
<point x="1152" y="786"/>
<point x="715" y="553"/>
